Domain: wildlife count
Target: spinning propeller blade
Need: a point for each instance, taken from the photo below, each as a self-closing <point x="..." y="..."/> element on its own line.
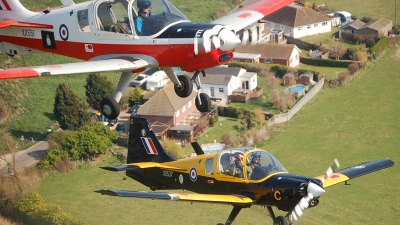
<point x="313" y="190"/>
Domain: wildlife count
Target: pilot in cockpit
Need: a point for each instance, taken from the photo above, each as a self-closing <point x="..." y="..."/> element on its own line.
<point x="144" y="12"/>
<point x="255" y="161"/>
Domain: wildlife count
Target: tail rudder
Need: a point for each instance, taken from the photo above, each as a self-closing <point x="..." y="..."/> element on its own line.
<point x="13" y="10"/>
<point x="143" y="145"/>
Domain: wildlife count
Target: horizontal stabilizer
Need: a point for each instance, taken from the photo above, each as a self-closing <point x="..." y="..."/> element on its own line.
<point x="209" y="198"/>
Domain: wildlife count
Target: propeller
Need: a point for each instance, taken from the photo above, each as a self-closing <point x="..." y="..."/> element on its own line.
<point x="222" y="37"/>
<point x="313" y="190"/>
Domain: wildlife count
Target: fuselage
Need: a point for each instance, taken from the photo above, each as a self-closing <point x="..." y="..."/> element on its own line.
<point x="87" y="31"/>
<point x="272" y="186"/>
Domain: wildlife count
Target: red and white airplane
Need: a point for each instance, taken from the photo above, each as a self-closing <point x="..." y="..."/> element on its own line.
<point x="102" y="33"/>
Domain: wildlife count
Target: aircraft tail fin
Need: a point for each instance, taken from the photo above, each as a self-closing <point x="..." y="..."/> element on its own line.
<point x="13" y="10"/>
<point x="143" y="145"/>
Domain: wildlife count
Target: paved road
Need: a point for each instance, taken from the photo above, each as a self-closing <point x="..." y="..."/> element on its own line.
<point x="32" y="155"/>
<point x="26" y="157"/>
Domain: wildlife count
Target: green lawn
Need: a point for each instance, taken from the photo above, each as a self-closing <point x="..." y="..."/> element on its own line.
<point x="356" y="123"/>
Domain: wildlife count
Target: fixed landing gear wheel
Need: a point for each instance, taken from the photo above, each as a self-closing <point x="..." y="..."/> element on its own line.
<point x="282" y="220"/>
<point x="204" y="104"/>
<point x="186" y="86"/>
<point x="110" y="108"/>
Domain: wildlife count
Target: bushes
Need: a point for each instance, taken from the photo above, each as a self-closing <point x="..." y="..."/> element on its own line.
<point x="172" y="148"/>
<point x="34" y="210"/>
<point x="325" y="62"/>
<point x="353" y="68"/>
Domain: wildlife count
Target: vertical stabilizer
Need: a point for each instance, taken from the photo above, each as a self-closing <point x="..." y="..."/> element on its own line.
<point x="13" y="10"/>
<point x="143" y="145"/>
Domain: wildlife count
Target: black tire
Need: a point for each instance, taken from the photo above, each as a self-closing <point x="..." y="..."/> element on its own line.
<point x="205" y="104"/>
<point x="110" y="108"/>
<point x="186" y="87"/>
<point x="282" y="220"/>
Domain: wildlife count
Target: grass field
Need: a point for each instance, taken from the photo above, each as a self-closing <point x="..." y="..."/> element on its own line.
<point x="356" y="123"/>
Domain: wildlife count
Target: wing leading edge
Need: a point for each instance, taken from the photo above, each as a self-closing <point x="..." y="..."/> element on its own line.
<point x="251" y="13"/>
<point x="206" y="198"/>
<point x="141" y="165"/>
<point x="108" y="65"/>
<point x="356" y="171"/>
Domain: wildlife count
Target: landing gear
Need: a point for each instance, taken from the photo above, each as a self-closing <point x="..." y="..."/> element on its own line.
<point x="203" y="103"/>
<point x="184" y="85"/>
<point x="280" y="220"/>
<point x="185" y="88"/>
<point x="110" y="108"/>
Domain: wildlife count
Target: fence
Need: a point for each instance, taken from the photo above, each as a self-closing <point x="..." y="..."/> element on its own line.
<point x="283" y="117"/>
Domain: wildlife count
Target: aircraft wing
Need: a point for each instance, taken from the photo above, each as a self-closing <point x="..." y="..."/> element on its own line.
<point x="107" y="65"/>
<point x="356" y="171"/>
<point x="9" y="23"/>
<point x="142" y="165"/>
<point x="206" y="198"/>
<point x="251" y="12"/>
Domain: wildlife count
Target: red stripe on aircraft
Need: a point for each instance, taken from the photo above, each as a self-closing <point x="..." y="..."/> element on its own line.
<point x="153" y="148"/>
<point x="266" y="7"/>
<point x="6" y="5"/>
<point x="18" y="73"/>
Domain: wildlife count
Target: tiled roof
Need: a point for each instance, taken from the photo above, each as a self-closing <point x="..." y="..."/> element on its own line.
<point x="296" y="16"/>
<point x="164" y="103"/>
<point x="275" y="51"/>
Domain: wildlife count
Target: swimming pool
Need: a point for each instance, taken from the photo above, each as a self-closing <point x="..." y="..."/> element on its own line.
<point x="213" y="148"/>
<point x="295" y="88"/>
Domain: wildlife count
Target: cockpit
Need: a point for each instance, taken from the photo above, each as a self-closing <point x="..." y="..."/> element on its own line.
<point x="255" y="164"/>
<point x="120" y="16"/>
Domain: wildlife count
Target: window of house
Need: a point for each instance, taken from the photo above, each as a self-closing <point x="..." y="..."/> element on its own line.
<point x="267" y="60"/>
<point x="324" y="23"/>
<point x="177" y="112"/>
<point x="183" y="108"/>
<point x="221" y="90"/>
<point x="299" y="28"/>
<point x="190" y="104"/>
<point x="247" y="60"/>
<point x="316" y="25"/>
<point x="308" y="26"/>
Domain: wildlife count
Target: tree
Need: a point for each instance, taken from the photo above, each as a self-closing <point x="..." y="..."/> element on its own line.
<point x="172" y="148"/>
<point x="97" y="87"/>
<point x="89" y="141"/>
<point x="337" y="50"/>
<point x="70" y="110"/>
<point x="136" y="95"/>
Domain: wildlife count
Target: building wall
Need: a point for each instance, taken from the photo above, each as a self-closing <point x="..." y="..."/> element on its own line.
<point x="217" y="94"/>
<point x="312" y="29"/>
<point x="294" y="58"/>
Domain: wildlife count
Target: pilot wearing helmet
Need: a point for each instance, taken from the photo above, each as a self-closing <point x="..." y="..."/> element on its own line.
<point x="255" y="161"/>
<point x="144" y="12"/>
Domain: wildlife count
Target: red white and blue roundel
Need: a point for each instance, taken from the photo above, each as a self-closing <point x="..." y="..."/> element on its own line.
<point x="64" y="34"/>
<point x="193" y="174"/>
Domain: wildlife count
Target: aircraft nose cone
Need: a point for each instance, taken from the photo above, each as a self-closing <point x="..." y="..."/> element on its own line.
<point x="229" y="40"/>
<point x="315" y="189"/>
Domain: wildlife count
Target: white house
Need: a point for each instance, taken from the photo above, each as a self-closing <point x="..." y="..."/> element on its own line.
<point x="297" y="21"/>
<point x="157" y="80"/>
<point x="220" y="82"/>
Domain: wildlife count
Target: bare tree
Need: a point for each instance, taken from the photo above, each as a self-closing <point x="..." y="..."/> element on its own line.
<point x="337" y="50"/>
<point x="8" y="152"/>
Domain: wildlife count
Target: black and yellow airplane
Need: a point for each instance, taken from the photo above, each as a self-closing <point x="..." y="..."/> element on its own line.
<point x="221" y="177"/>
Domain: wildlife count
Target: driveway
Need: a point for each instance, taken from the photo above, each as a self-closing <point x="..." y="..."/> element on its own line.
<point x="26" y="158"/>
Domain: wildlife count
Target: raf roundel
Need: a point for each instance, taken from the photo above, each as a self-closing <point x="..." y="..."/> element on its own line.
<point x="193" y="174"/>
<point x="64" y="34"/>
